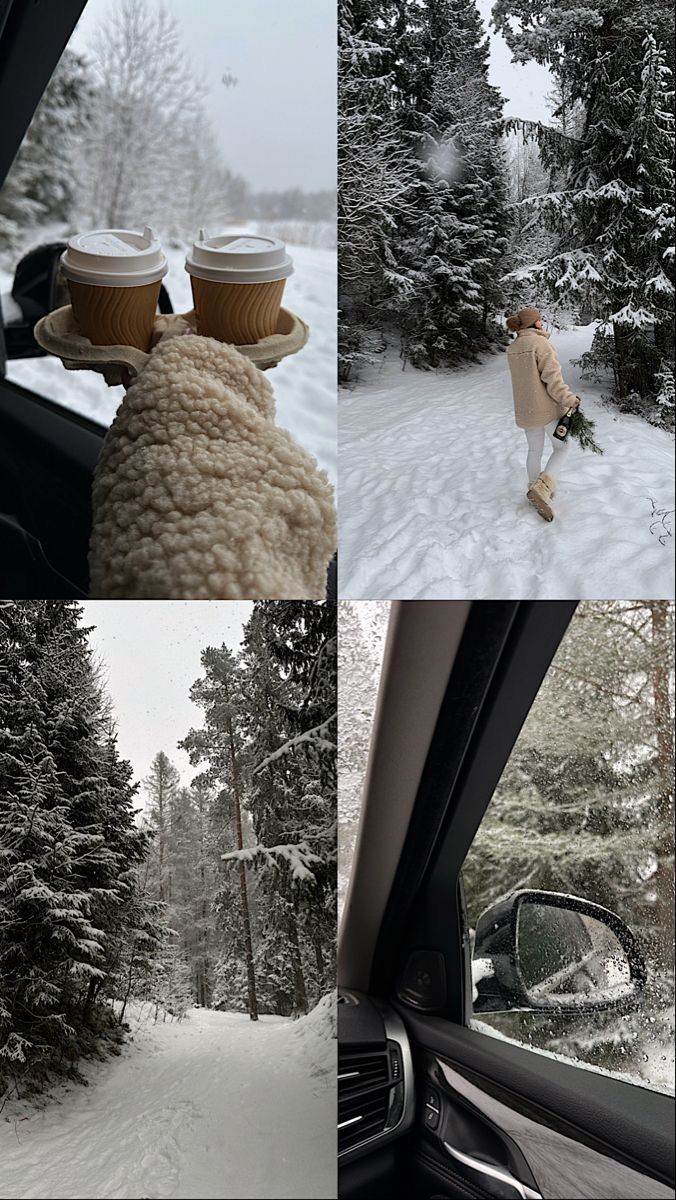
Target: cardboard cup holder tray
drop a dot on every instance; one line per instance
(58, 334)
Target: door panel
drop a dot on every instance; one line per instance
(47, 458)
(565, 1132)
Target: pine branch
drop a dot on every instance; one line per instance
(582, 428)
(313, 736)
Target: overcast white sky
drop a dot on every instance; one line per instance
(277, 127)
(151, 651)
(524, 86)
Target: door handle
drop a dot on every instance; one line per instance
(475, 1164)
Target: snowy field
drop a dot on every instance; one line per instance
(213, 1106)
(304, 385)
(432, 487)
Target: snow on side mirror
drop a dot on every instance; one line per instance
(38, 288)
(548, 952)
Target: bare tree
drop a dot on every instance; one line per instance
(149, 154)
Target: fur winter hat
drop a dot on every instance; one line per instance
(523, 319)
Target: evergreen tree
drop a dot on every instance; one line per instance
(42, 183)
(162, 787)
(424, 217)
(289, 660)
(458, 243)
(375, 176)
(218, 693)
(69, 846)
(585, 807)
(612, 207)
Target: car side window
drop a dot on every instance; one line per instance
(362, 629)
(134, 129)
(583, 817)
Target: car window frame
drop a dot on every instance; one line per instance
(503, 656)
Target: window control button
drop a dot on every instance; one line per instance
(431, 1098)
(431, 1117)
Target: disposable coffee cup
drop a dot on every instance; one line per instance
(114, 278)
(237, 285)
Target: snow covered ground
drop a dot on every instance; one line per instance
(657, 1059)
(213, 1106)
(432, 489)
(304, 385)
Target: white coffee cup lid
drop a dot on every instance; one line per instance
(114, 258)
(238, 258)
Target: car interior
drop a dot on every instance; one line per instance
(427, 1106)
(47, 453)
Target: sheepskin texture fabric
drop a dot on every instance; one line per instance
(197, 493)
(540, 393)
(541, 494)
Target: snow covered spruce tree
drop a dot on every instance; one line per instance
(179, 873)
(219, 745)
(611, 205)
(456, 244)
(431, 194)
(289, 663)
(375, 175)
(585, 806)
(74, 921)
(260, 890)
(42, 183)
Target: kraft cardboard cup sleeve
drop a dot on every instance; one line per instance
(114, 278)
(237, 285)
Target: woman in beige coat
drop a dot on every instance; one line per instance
(540, 398)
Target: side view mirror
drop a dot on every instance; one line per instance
(39, 287)
(548, 952)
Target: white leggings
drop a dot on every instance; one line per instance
(536, 444)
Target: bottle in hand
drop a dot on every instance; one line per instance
(563, 425)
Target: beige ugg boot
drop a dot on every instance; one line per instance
(541, 494)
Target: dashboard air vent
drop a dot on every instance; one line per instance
(370, 1092)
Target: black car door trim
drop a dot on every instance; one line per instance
(504, 653)
(591, 1108)
(32, 40)
(51, 426)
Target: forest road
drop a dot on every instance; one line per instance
(213, 1106)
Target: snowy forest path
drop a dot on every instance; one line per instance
(202, 1108)
(432, 485)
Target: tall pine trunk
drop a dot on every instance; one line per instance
(160, 807)
(299, 989)
(243, 891)
(204, 912)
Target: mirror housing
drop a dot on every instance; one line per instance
(587, 957)
(38, 288)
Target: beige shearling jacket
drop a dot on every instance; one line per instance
(198, 494)
(540, 394)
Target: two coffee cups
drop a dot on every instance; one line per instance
(114, 278)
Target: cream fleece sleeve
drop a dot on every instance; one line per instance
(198, 495)
(550, 374)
